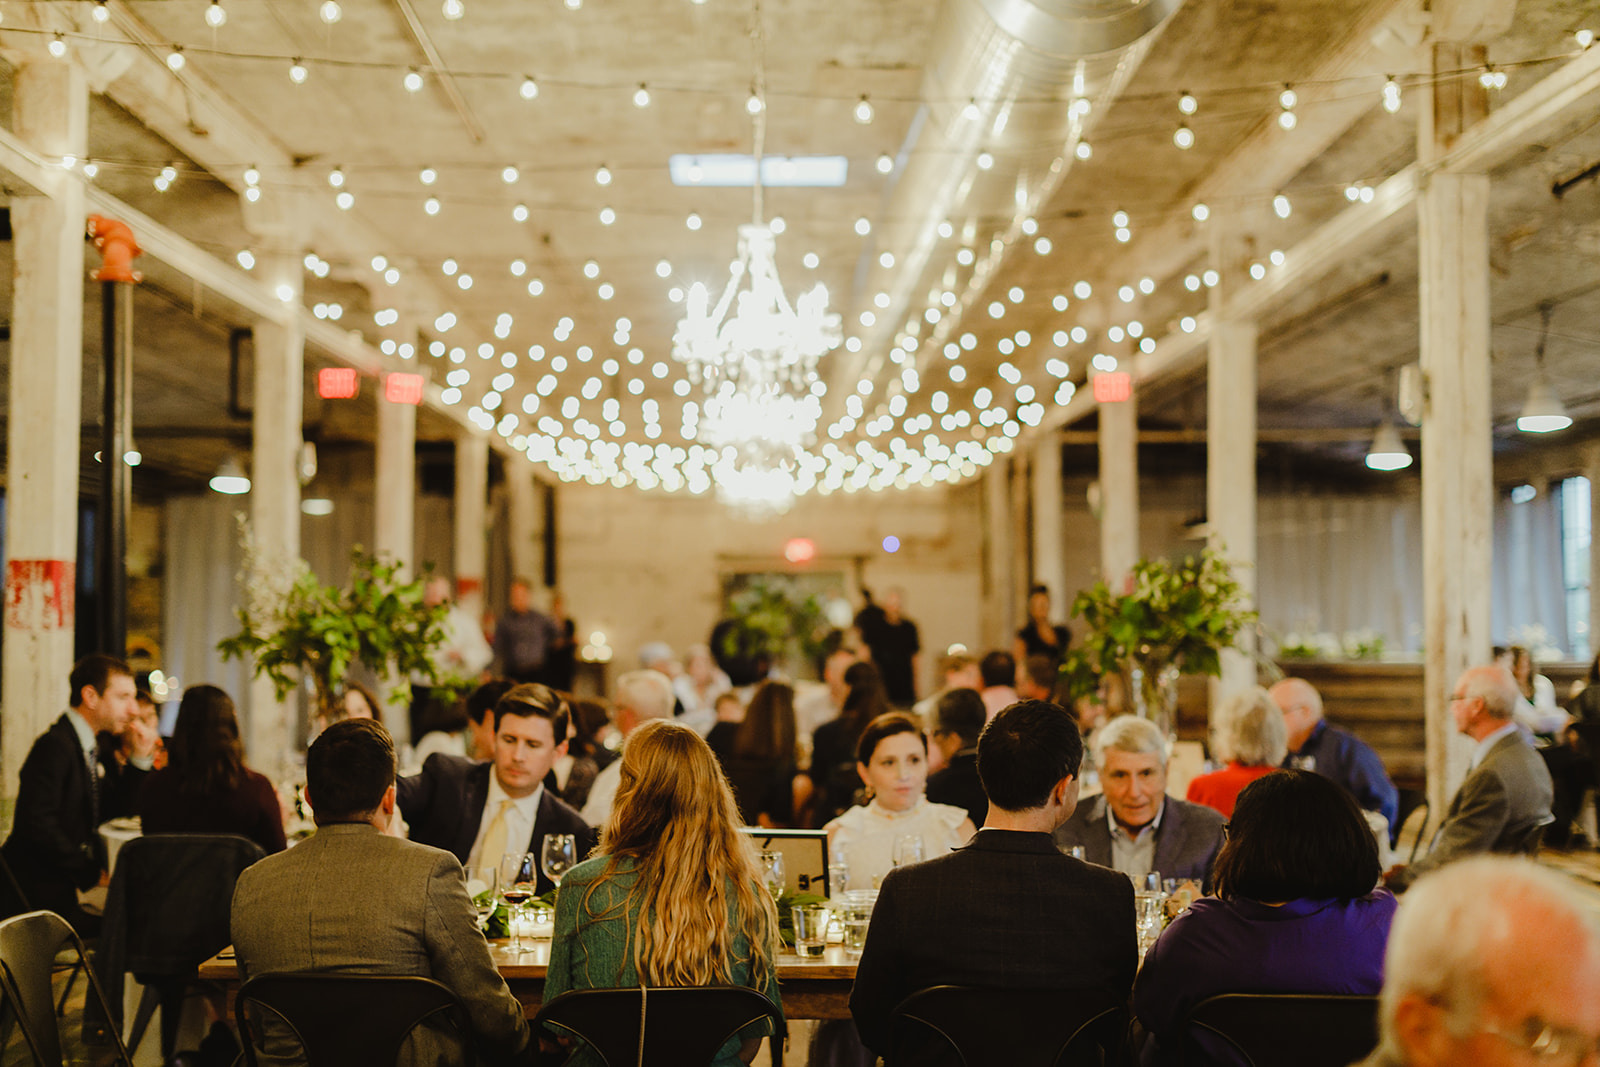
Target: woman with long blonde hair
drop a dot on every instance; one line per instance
(671, 897)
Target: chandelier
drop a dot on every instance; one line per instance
(755, 355)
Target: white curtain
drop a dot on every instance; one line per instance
(1339, 563)
(1529, 594)
(200, 593)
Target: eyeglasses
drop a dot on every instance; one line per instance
(1547, 1042)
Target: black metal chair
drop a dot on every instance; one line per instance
(1413, 828)
(657, 1026)
(1286, 1029)
(344, 1020)
(962, 1026)
(168, 911)
(29, 944)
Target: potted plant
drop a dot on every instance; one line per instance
(294, 626)
(770, 621)
(1175, 618)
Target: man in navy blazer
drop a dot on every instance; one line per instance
(54, 848)
(1134, 826)
(1009, 910)
(456, 803)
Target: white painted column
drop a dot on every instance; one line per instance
(1049, 559)
(1591, 470)
(46, 380)
(1119, 489)
(472, 493)
(997, 606)
(275, 486)
(1021, 539)
(1457, 468)
(1231, 403)
(395, 498)
(526, 525)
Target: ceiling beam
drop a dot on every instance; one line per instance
(1285, 436)
(441, 73)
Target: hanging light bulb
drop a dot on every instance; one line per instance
(603, 175)
(1084, 150)
(641, 96)
(1201, 212)
(607, 216)
(431, 205)
(1543, 412)
(1187, 104)
(453, 9)
(885, 163)
(509, 175)
(216, 18)
(58, 46)
(529, 89)
(336, 177)
(101, 12)
(345, 200)
(297, 72)
(1287, 101)
(252, 176)
(1585, 38)
(1183, 136)
(330, 11)
(428, 176)
(1391, 95)
(1281, 206)
(863, 110)
(412, 80)
(175, 58)
(693, 221)
(520, 213)
(753, 105)
(1388, 452)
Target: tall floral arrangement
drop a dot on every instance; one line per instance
(1175, 618)
(294, 626)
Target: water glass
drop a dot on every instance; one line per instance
(483, 886)
(770, 863)
(810, 929)
(558, 856)
(838, 877)
(907, 850)
(857, 916)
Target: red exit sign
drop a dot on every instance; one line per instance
(403, 388)
(338, 383)
(1113, 387)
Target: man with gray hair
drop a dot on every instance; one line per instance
(640, 696)
(1133, 826)
(1317, 745)
(1492, 961)
(1503, 804)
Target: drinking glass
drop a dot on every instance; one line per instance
(559, 855)
(483, 886)
(810, 929)
(857, 916)
(907, 850)
(772, 874)
(838, 877)
(1150, 908)
(517, 886)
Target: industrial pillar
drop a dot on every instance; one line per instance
(1119, 488)
(998, 562)
(1049, 564)
(522, 498)
(50, 114)
(472, 488)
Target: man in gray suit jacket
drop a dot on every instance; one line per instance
(1133, 826)
(1505, 799)
(353, 900)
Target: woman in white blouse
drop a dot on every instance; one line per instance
(892, 759)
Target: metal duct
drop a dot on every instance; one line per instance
(1023, 80)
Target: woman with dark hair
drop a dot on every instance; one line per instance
(1297, 910)
(833, 745)
(1040, 637)
(586, 756)
(205, 787)
(892, 762)
(671, 897)
(444, 729)
(757, 754)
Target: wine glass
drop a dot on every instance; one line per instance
(483, 886)
(771, 863)
(907, 850)
(558, 856)
(516, 889)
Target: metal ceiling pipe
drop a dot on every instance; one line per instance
(1021, 80)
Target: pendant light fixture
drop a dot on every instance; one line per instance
(1388, 452)
(230, 479)
(1543, 412)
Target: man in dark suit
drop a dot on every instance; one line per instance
(960, 715)
(482, 811)
(1505, 798)
(1134, 826)
(1009, 910)
(54, 848)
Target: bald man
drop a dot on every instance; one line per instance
(1493, 962)
(1505, 799)
(1317, 745)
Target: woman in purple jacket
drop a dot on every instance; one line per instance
(1297, 910)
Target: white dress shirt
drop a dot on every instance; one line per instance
(603, 794)
(1134, 854)
(519, 821)
(1489, 742)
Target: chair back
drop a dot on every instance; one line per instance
(1412, 832)
(336, 1020)
(1287, 1029)
(29, 944)
(657, 1026)
(13, 901)
(964, 1026)
(1532, 838)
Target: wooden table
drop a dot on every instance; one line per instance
(812, 988)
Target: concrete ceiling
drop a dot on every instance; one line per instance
(1328, 354)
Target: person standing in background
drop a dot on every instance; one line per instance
(561, 662)
(893, 641)
(523, 636)
(1039, 637)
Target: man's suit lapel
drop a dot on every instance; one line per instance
(474, 794)
(541, 823)
(1169, 838)
(78, 780)
(1099, 850)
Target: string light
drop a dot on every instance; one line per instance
(520, 213)
(1492, 78)
(1183, 136)
(246, 259)
(428, 176)
(529, 89)
(298, 72)
(336, 177)
(1391, 95)
(330, 11)
(431, 205)
(101, 13)
(412, 81)
(754, 104)
(345, 200)
(509, 175)
(985, 160)
(607, 216)
(175, 58)
(863, 111)
(863, 226)
(1287, 101)
(1585, 38)
(693, 221)
(1200, 212)
(1281, 206)
(641, 96)
(1187, 103)
(602, 176)
(216, 18)
(1083, 150)
(885, 163)
(453, 9)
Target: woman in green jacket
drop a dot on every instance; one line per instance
(671, 897)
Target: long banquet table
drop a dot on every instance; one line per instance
(812, 988)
